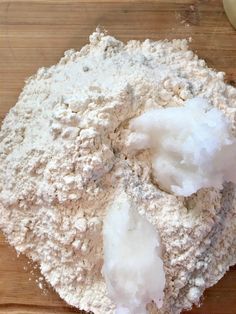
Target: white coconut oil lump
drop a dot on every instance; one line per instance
(133, 268)
(64, 157)
(192, 146)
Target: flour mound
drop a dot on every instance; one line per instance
(63, 154)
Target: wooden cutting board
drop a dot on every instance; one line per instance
(36, 33)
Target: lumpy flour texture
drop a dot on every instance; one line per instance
(64, 153)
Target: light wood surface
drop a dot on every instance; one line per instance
(36, 33)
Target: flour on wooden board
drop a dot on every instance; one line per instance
(63, 154)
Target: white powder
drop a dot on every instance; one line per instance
(63, 155)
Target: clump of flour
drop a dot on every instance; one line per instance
(192, 146)
(63, 155)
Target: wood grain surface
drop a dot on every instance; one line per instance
(36, 33)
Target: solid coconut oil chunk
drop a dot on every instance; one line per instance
(192, 146)
(133, 268)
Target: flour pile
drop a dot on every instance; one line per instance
(65, 155)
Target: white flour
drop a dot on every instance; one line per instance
(63, 154)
